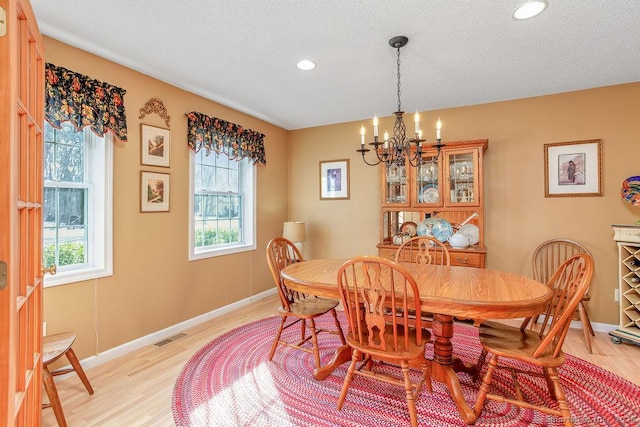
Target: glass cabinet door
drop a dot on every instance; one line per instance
(463, 178)
(427, 184)
(396, 185)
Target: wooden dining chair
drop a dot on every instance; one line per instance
(53, 348)
(375, 293)
(423, 250)
(541, 349)
(301, 307)
(426, 250)
(547, 257)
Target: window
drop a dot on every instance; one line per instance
(77, 236)
(222, 205)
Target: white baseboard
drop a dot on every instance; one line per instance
(154, 337)
(598, 327)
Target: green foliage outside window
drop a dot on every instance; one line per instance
(70, 253)
(213, 237)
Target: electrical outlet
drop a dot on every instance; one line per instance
(616, 295)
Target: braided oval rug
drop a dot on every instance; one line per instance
(231, 382)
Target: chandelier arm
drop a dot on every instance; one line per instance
(365, 160)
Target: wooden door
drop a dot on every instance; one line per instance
(21, 156)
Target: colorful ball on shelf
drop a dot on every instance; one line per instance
(631, 190)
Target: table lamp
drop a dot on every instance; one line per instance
(295, 232)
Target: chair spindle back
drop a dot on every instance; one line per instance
(377, 295)
(569, 283)
(423, 250)
(280, 253)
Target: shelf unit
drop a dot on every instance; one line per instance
(448, 185)
(628, 240)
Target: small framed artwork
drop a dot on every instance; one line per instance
(573, 169)
(334, 180)
(156, 145)
(154, 192)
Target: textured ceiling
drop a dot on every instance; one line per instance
(242, 53)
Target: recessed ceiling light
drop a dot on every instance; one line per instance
(530, 9)
(306, 65)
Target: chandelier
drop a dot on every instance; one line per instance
(397, 149)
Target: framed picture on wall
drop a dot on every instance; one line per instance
(573, 169)
(156, 145)
(154, 192)
(334, 179)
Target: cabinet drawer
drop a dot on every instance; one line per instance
(467, 259)
(387, 253)
(463, 259)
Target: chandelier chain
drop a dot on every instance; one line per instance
(398, 63)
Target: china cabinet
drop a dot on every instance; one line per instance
(447, 185)
(628, 240)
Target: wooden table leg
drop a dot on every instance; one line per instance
(342, 355)
(444, 365)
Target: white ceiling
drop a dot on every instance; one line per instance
(242, 53)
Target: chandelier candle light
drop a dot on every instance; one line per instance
(397, 149)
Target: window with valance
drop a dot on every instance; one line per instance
(84, 102)
(81, 115)
(221, 136)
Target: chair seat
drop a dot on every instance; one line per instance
(511, 342)
(311, 307)
(54, 346)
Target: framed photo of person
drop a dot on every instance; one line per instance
(334, 180)
(573, 169)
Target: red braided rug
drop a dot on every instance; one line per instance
(230, 382)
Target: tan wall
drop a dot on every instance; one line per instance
(154, 286)
(517, 215)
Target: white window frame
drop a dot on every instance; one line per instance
(100, 216)
(248, 210)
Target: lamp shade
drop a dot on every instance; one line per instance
(294, 231)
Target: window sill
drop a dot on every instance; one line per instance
(211, 253)
(68, 277)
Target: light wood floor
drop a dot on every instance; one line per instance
(135, 390)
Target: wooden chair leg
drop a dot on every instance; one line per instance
(277, 339)
(559, 395)
(587, 329)
(355, 357)
(303, 329)
(78, 368)
(479, 364)
(484, 387)
(411, 397)
(314, 342)
(338, 327)
(54, 399)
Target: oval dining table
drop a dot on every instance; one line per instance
(447, 292)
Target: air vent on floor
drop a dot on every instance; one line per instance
(169, 340)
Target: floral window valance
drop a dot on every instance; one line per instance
(224, 137)
(83, 101)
